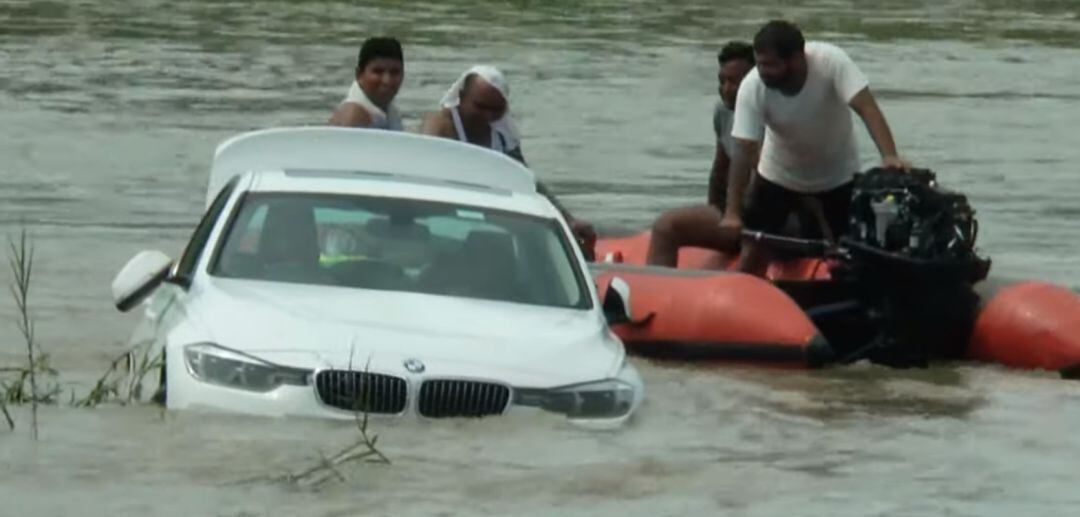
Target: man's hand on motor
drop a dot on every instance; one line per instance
(895, 162)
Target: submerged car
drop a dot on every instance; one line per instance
(338, 271)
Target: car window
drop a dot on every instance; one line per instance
(186, 266)
(402, 245)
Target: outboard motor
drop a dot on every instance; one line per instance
(907, 221)
(910, 250)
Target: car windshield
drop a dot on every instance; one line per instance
(401, 245)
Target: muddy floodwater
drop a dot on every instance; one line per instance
(109, 112)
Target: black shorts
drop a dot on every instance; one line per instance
(768, 206)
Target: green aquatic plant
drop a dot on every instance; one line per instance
(7, 416)
(364, 449)
(122, 381)
(24, 388)
(21, 387)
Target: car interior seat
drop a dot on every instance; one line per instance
(289, 245)
(491, 265)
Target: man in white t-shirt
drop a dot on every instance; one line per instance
(798, 101)
(696, 225)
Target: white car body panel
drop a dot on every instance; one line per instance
(317, 327)
(348, 149)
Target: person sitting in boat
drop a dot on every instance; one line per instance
(696, 225)
(369, 102)
(475, 110)
(797, 102)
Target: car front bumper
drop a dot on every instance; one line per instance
(418, 396)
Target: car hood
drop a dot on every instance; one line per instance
(329, 327)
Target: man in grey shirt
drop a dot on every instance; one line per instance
(696, 225)
(723, 120)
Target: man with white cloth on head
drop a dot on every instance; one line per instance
(476, 110)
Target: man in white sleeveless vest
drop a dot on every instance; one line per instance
(369, 103)
(794, 109)
(475, 110)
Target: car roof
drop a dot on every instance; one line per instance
(336, 157)
(363, 183)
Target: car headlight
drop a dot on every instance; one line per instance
(217, 365)
(609, 398)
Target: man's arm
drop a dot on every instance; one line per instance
(748, 130)
(350, 114)
(516, 154)
(435, 124)
(718, 178)
(738, 177)
(866, 106)
(584, 231)
(543, 190)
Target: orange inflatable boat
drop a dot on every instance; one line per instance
(880, 293)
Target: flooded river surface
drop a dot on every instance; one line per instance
(109, 113)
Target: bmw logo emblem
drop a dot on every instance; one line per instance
(414, 365)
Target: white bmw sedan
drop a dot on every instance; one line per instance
(345, 270)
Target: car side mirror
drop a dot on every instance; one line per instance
(617, 302)
(139, 277)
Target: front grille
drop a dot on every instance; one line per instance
(360, 391)
(445, 399)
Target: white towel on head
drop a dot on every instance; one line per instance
(505, 126)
